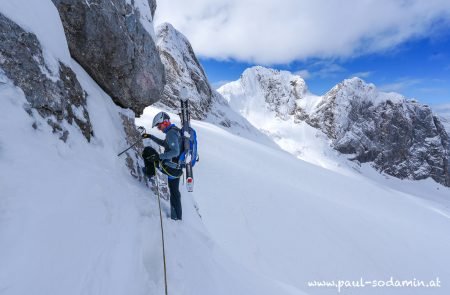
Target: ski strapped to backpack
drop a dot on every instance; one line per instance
(189, 155)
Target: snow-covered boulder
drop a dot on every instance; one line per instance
(113, 41)
(50, 86)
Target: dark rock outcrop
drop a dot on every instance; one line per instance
(133, 158)
(55, 96)
(400, 137)
(109, 41)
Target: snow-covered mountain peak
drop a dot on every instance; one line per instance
(260, 90)
(167, 34)
(357, 90)
(270, 81)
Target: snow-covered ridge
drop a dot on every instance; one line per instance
(370, 125)
(356, 88)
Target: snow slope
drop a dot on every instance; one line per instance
(294, 222)
(73, 220)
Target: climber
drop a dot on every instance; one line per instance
(167, 161)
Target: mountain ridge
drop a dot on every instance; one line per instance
(400, 137)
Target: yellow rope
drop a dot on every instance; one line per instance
(165, 171)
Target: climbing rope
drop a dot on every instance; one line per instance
(162, 232)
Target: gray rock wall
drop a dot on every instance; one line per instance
(183, 70)
(401, 138)
(109, 42)
(56, 98)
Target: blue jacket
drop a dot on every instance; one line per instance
(172, 144)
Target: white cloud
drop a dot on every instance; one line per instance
(328, 70)
(400, 85)
(305, 74)
(216, 85)
(321, 69)
(443, 108)
(269, 31)
(361, 74)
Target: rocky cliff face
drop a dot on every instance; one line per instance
(112, 40)
(400, 137)
(54, 93)
(183, 70)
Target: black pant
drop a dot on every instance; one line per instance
(175, 199)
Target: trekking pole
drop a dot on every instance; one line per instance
(141, 131)
(162, 232)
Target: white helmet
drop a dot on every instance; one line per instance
(159, 118)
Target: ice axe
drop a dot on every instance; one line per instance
(141, 131)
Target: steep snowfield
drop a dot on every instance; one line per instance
(295, 222)
(73, 220)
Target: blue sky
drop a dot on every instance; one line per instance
(401, 46)
(417, 69)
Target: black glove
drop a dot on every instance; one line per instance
(153, 158)
(145, 135)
